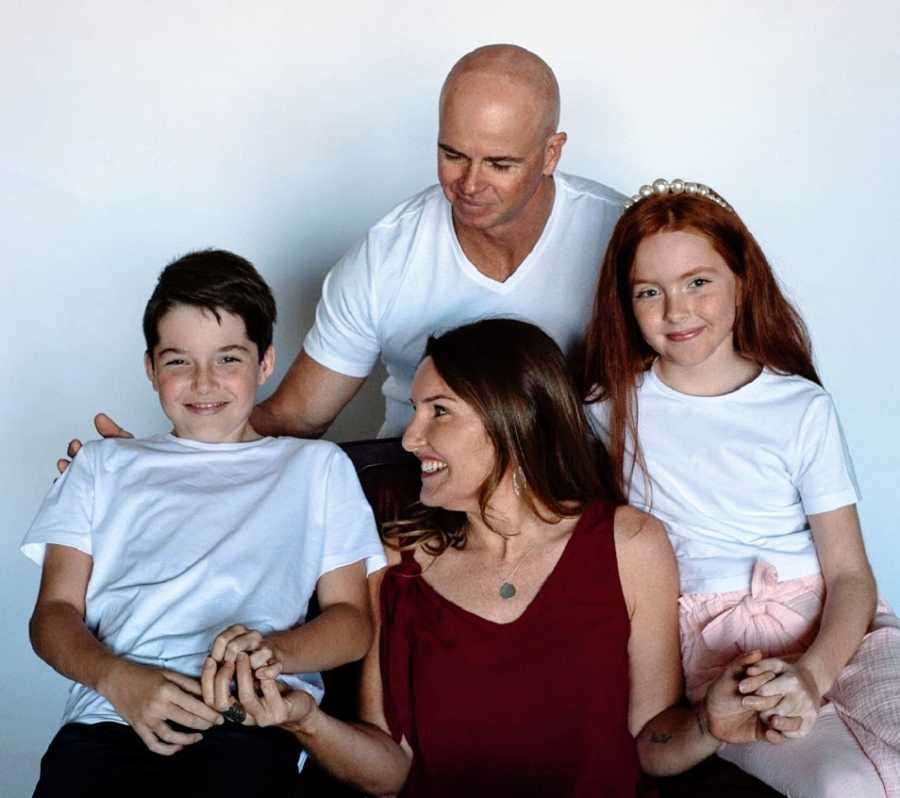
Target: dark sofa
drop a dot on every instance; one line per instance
(390, 479)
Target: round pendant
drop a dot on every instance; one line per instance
(507, 590)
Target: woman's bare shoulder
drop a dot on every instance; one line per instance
(641, 539)
(647, 567)
(632, 524)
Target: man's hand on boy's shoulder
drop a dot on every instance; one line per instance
(107, 429)
(147, 698)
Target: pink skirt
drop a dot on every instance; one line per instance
(781, 619)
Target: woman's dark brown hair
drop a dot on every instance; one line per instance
(767, 328)
(516, 378)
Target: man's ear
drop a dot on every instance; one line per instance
(553, 152)
(266, 365)
(151, 371)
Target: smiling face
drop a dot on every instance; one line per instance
(684, 299)
(449, 438)
(206, 372)
(494, 151)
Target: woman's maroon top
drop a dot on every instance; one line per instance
(536, 707)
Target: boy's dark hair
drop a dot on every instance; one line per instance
(216, 280)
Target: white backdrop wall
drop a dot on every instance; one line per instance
(134, 132)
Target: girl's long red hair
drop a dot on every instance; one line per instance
(767, 328)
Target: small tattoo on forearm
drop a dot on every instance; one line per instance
(660, 737)
(700, 724)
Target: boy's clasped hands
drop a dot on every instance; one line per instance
(169, 710)
(244, 657)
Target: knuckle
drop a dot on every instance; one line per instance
(233, 648)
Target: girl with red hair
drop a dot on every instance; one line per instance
(703, 387)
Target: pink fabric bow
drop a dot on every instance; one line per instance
(758, 620)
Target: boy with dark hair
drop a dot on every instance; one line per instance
(167, 557)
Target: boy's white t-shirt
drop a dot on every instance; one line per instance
(734, 477)
(409, 278)
(188, 538)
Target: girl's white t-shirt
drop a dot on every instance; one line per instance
(734, 477)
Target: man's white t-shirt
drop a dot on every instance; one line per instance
(188, 538)
(734, 477)
(409, 278)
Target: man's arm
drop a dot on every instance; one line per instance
(145, 697)
(306, 402)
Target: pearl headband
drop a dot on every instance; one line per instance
(678, 186)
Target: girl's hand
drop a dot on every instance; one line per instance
(268, 706)
(800, 698)
(731, 717)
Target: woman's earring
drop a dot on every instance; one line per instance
(518, 480)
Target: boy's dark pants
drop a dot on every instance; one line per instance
(110, 759)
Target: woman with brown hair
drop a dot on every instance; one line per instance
(528, 629)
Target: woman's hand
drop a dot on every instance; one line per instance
(734, 717)
(795, 688)
(219, 667)
(267, 705)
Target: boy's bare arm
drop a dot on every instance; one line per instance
(341, 633)
(144, 697)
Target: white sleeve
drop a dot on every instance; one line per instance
(344, 337)
(350, 533)
(66, 514)
(824, 477)
(598, 420)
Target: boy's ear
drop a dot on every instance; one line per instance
(266, 365)
(151, 372)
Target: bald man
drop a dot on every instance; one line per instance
(503, 234)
